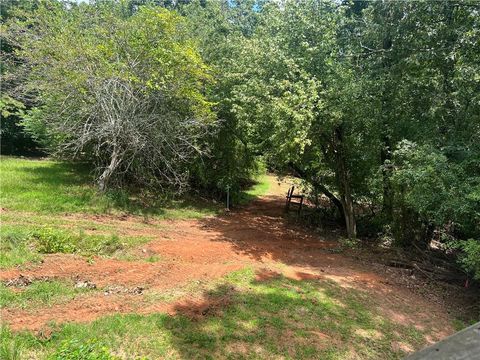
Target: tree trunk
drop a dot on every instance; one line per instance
(104, 179)
(386, 150)
(386, 159)
(332, 198)
(349, 214)
(344, 185)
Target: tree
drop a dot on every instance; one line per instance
(125, 92)
(15, 141)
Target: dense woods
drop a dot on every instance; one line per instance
(375, 105)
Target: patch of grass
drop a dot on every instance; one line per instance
(9, 345)
(39, 293)
(279, 318)
(48, 187)
(56, 187)
(21, 244)
(259, 188)
(14, 249)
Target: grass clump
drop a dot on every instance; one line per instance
(24, 244)
(51, 241)
(39, 293)
(15, 248)
(91, 350)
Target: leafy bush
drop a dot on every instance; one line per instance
(434, 190)
(470, 258)
(158, 105)
(49, 241)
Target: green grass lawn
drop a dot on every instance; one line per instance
(56, 187)
(275, 319)
(260, 187)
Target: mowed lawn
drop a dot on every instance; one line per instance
(52, 207)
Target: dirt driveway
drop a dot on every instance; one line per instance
(200, 251)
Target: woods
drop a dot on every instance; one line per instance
(374, 104)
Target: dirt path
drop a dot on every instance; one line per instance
(203, 250)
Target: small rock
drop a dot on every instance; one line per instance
(85, 285)
(137, 290)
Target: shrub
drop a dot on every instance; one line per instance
(470, 258)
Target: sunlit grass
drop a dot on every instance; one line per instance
(39, 293)
(22, 244)
(37, 198)
(260, 187)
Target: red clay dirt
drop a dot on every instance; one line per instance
(202, 250)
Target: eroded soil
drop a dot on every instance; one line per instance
(198, 251)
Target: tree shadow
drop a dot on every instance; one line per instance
(58, 174)
(262, 232)
(246, 316)
(73, 183)
(280, 317)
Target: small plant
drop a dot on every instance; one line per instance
(9, 347)
(9, 351)
(346, 243)
(153, 258)
(89, 350)
(50, 241)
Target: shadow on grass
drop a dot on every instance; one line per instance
(241, 318)
(53, 186)
(287, 318)
(58, 174)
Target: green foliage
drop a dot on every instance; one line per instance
(348, 97)
(470, 258)
(51, 241)
(435, 188)
(132, 86)
(15, 141)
